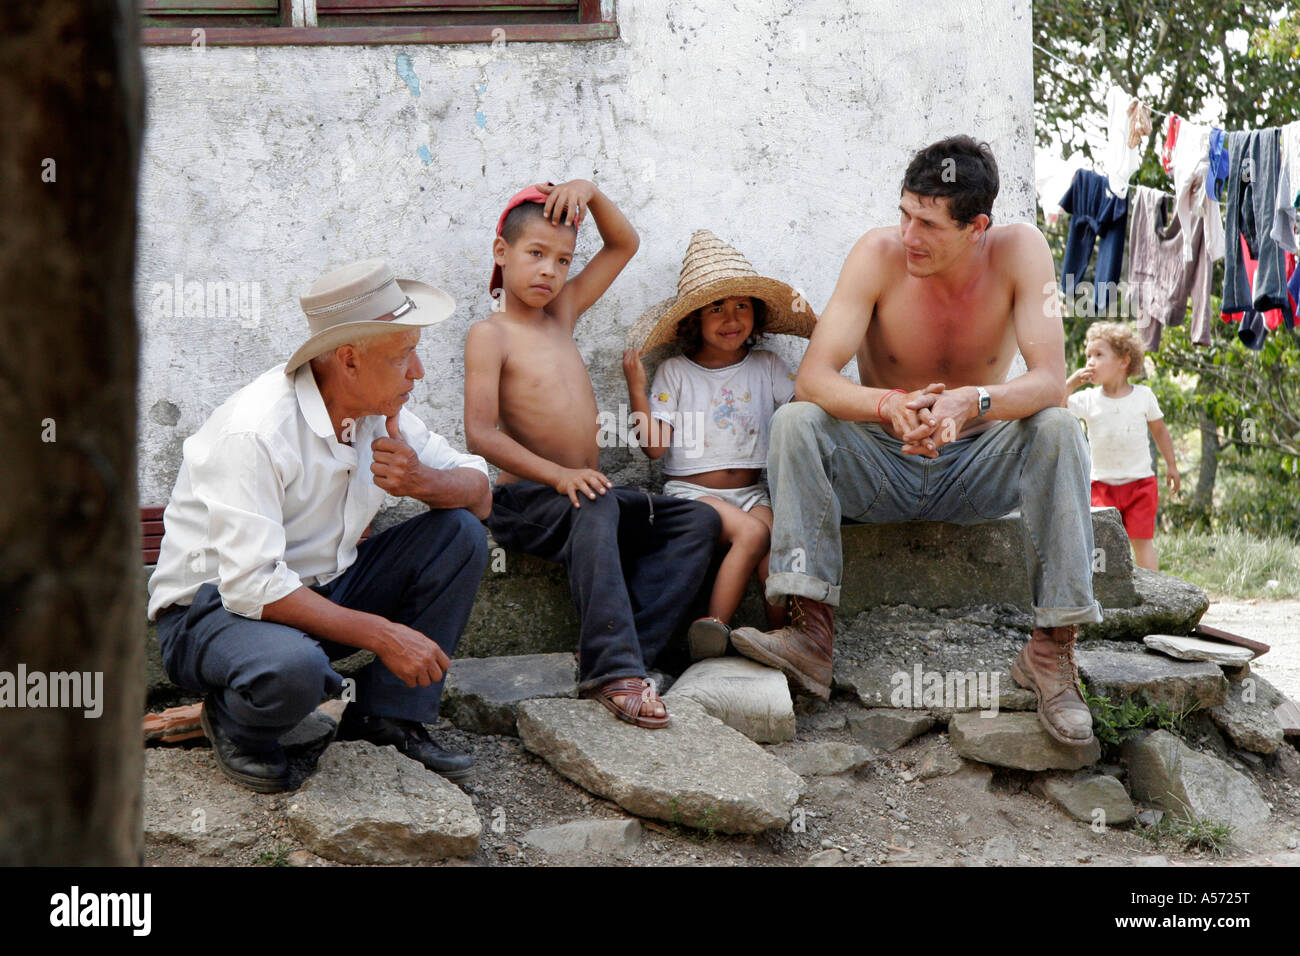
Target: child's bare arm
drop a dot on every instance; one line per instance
(1166, 445)
(621, 243)
(1080, 378)
(484, 357)
(656, 436)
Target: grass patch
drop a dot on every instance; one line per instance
(277, 857)
(1233, 563)
(1188, 835)
(1113, 723)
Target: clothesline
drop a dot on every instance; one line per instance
(1084, 69)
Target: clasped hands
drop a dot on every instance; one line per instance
(927, 419)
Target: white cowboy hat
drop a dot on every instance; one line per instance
(362, 300)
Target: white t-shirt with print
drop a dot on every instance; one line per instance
(1117, 432)
(720, 416)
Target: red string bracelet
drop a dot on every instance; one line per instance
(881, 403)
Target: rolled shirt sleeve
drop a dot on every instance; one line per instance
(239, 483)
(432, 449)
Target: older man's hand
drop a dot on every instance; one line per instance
(415, 659)
(396, 467)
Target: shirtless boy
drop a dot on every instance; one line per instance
(934, 311)
(634, 559)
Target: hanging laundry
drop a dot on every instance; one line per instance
(1288, 188)
(1255, 325)
(1218, 174)
(1122, 160)
(1139, 123)
(1172, 122)
(1098, 216)
(1190, 163)
(1251, 198)
(1160, 277)
(1052, 177)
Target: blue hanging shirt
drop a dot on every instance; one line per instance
(1098, 216)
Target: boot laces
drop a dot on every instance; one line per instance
(796, 611)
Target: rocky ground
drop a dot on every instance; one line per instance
(861, 803)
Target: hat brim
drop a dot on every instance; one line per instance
(787, 311)
(432, 306)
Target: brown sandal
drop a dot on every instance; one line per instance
(635, 692)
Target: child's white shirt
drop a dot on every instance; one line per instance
(1117, 432)
(720, 416)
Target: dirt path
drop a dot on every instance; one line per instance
(1276, 623)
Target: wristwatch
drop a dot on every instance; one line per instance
(985, 401)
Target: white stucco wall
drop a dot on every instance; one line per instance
(782, 126)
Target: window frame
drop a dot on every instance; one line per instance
(596, 22)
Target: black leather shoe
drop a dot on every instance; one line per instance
(261, 771)
(411, 738)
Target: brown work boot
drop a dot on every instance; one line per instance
(1046, 666)
(801, 649)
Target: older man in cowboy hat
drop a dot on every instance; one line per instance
(261, 578)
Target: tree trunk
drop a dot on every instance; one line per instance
(1203, 497)
(71, 96)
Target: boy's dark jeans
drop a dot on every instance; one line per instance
(633, 579)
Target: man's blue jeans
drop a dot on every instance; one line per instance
(822, 469)
(266, 677)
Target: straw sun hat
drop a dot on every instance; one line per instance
(713, 270)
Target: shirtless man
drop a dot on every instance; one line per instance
(934, 312)
(530, 410)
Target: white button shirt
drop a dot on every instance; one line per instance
(268, 500)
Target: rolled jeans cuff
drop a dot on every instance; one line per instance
(787, 583)
(1065, 616)
(596, 683)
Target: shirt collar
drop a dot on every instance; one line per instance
(311, 403)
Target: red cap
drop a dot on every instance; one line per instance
(528, 194)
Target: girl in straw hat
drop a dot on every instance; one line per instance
(708, 410)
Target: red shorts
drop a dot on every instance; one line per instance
(1136, 501)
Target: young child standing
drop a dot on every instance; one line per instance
(634, 560)
(1118, 416)
(709, 408)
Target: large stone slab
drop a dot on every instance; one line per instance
(1167, 605)
(1165, 772)
(887, 728)
(482, 694)
(931, 564)
(1199, 649)
(1160, 680)
(1016, 740)
(743, 694)
(697, 772)
(371, 805)
(932, 662)
(189, 803)
(822, 758)
(1247, 718)
(611, 837)
(1092, 798)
